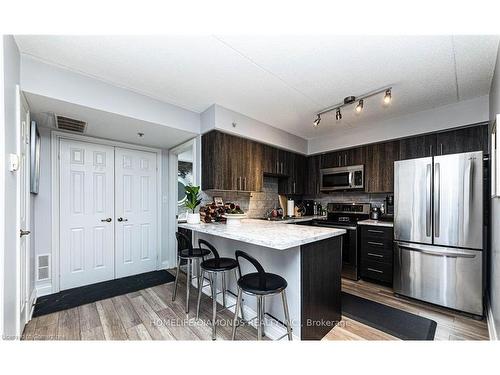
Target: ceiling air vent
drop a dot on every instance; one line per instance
(70, 124)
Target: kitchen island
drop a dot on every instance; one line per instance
(309, 258)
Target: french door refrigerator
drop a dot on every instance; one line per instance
(438, 230)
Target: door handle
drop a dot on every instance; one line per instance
(375, 231)
(120, 219)
(375, 255)
(374, 270)
(375, 243)
(438, 253)
(23, 232)
(108, 220)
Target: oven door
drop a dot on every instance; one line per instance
(335, 179)
(349, 249)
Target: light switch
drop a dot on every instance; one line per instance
(13, 162)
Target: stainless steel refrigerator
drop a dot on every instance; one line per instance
(438, 230)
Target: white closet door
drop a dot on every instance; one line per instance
(136, 212)
(86, 213)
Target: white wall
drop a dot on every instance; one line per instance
(54, 82)
(218, 117)
(494, 292)
(462, 113)
(11, 77)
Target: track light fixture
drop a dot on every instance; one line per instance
(317, 121)
(338, 115)
(349, 100)
(359, 107)
(387, 97)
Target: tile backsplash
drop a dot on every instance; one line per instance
(257, 204)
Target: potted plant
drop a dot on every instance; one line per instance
(192, 201)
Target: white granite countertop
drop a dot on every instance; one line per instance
(379, 223)
(273, 234)
(298, 219)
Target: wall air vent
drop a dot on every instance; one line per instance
(43, 267)
(70, 124)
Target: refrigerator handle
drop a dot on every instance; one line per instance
(437, 196)
(468, 192)
(428, 187)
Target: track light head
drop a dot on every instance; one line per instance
(359, 107)
(387, 97)
(317, 121)
(338, 115)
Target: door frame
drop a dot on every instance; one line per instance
(21, 103)
(195, 144)
(56, 137)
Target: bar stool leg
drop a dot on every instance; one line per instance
(238, 306)
(188, 283)
(198, 271)
(213, 281)
(259, 318)
(200, 290)
(287, 316)
(176, 278)
(224, 289)
(241, 304)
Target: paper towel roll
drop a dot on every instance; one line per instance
(290, 208)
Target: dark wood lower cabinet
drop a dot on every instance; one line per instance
(377, 253)
(320, 274)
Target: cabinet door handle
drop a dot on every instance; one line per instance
(107, 220)
(376, 243)
(441, 145)
(282, 169)
(23, 232)
(294, 187)
(245, 186)
(340, 160)
(374, 270)
(375, 231)
(345, 159)
(375, 255)
(120, 219)
(430, 150)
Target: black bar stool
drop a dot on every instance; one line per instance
(186, 252)
(213, 267)
(260, 284)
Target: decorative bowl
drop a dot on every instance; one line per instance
(234, 219)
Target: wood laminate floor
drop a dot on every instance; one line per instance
(450, 325)
(150, 314)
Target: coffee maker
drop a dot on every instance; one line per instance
(389, 207)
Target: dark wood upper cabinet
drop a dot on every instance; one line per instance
(231, 163)
(417, 147)
(312, 183)
(474, 138)
(344, 158)
(379, 166)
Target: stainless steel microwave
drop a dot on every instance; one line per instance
(342, 178)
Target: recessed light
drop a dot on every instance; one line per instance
(140, 134)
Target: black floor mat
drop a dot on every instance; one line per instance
(395, 322)
(70, 298)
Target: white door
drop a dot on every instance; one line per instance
(23, 215)
(86, 213)
(136, 212)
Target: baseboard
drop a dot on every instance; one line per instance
(272, 331)
(43, 290)
(490, 321)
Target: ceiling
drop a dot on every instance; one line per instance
(283, 80)
(106, 125)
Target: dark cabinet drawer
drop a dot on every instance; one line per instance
(376, 232)
(376, 271)
(377, 251)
